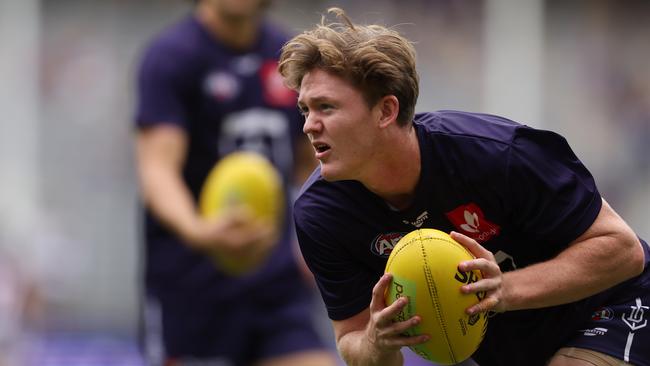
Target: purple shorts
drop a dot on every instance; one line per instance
(621, 331)
(193, 331)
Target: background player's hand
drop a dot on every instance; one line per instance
(382, 332)
(235, 234)
(492, 281)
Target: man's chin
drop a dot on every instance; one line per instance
(329, 174)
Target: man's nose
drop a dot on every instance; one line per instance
(311, 125)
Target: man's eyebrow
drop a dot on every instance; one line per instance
(318, 99)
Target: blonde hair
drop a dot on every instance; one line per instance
(376, 60)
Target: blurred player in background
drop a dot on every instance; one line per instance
(567, 279)
(207, 86)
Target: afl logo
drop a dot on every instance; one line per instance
(602, 314)
(383, 244)
(222, 86)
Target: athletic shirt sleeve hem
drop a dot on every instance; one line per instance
(351, 309)
(586, 220)
(162, 82)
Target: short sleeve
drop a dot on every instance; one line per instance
(161, 90)
(344, 283)
(553, 195)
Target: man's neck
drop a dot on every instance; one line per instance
(398, 172)
(239, 33)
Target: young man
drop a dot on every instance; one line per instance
(567, 279)
(208, 86)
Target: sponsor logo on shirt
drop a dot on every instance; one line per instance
(275, 93)
(418, 220)
(383, 244)
(602, 314)
(594, 332)
(469, 220)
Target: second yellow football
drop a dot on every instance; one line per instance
(244, 179)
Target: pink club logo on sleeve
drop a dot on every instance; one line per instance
(276, 94)
(469, 220)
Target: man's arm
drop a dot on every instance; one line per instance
(371, 337)
(606, 254)
(161, 152)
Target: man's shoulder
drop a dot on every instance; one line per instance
(179, 39)
(476, 144)
(468, 125)
(317, 188)
(318, 196)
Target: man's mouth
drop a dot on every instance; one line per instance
(321, 148)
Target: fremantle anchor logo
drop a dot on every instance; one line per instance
(633, 320)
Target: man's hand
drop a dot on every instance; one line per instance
(372, 337)
(492, 281)
(236, 234)
(382, 332)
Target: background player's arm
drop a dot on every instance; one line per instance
(371, 337)
(161, 152)
(606, 254)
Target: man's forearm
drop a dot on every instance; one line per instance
(169, 199)
(582, 270)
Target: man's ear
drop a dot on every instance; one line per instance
(388, 107)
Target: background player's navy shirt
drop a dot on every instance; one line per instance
(521, 192)
(225, 100)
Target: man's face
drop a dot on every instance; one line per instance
(339, 124)
(238, 9)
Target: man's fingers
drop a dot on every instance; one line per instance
(389, 313)
(399, 328)
(484, 285)
(488, 268)
(487, 304)
(390, 332)
(378, 302)
(393, 333)
(472, 245)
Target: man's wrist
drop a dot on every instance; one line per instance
(368, 354)
(190, 231)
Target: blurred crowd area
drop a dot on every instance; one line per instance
(69, 250)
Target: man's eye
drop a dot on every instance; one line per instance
(303, 110)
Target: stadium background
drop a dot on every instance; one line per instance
(68, 190)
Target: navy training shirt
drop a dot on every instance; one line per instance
(226, 100)
(520, 192)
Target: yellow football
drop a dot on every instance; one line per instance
(424, 265)
(244, 179)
